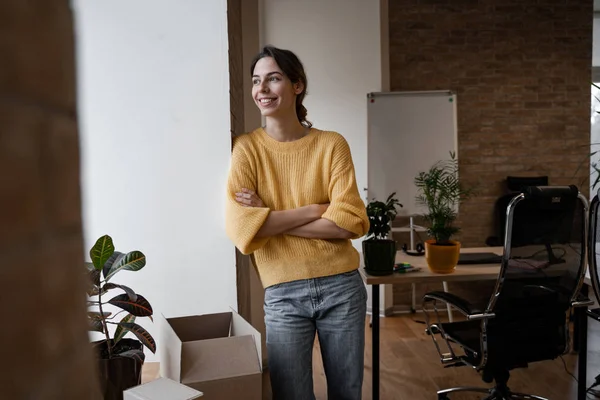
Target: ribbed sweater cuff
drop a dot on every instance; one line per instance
(344, 220)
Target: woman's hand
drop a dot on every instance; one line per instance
(248, 198)
(321, 208)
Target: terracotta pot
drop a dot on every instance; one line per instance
(442, 259)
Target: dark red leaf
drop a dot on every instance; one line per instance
(130, 293)
(141, 334)
(140, 308)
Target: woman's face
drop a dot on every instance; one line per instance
(272, 91)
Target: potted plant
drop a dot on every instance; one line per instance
(120, 359)
(380, 252)
(440, 192)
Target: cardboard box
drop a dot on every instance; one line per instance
(217, 354)
(161, 389)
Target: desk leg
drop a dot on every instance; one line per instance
(581, 319)
(413, 307)
(375, 338)
(448, 307)
(576, 323)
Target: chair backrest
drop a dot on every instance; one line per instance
(517, 183)
(542, 270)
(514, 185)
(594, 243)
(544, 246)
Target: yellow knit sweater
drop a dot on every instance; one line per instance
(315, 169)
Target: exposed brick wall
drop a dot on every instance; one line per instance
(46, 350)
(521, 71)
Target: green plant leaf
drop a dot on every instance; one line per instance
(141, 334)
(390, 197)
(120, 332)
(380, 217)
(135, 354)
(440, 192)
(132, 261)
(102, 251)
(130, 293)
(140, 308)
(115, 257)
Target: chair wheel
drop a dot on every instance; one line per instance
(433, 331)
(443, 397)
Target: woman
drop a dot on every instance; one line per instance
(293, 203)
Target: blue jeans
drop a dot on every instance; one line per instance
(334, 307)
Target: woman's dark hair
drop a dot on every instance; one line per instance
(292, 68)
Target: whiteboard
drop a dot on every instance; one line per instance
(408, 132)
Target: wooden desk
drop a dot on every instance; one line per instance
(470, 272)
(473, 272)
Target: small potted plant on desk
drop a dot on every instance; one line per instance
(379, 252)
(440, 191)
(120, 359)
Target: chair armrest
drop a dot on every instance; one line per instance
(458, 302)
(594, 313)
(582, 301)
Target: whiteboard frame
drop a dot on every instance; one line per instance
(424, 93)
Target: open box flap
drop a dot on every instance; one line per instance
(201, 327)
(220, 358)
(161, 389)
(240, 327)
(170, 353)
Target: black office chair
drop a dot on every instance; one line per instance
(526, 317)
(594, 246)
(513, 186)
(594, 261)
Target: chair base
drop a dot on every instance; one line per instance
(495, 393)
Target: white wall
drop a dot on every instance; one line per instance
(339, 43)
(596, 40)
(153, 85)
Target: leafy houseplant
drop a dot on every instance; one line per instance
(440, 192)
(379, 251)
(120, 359)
